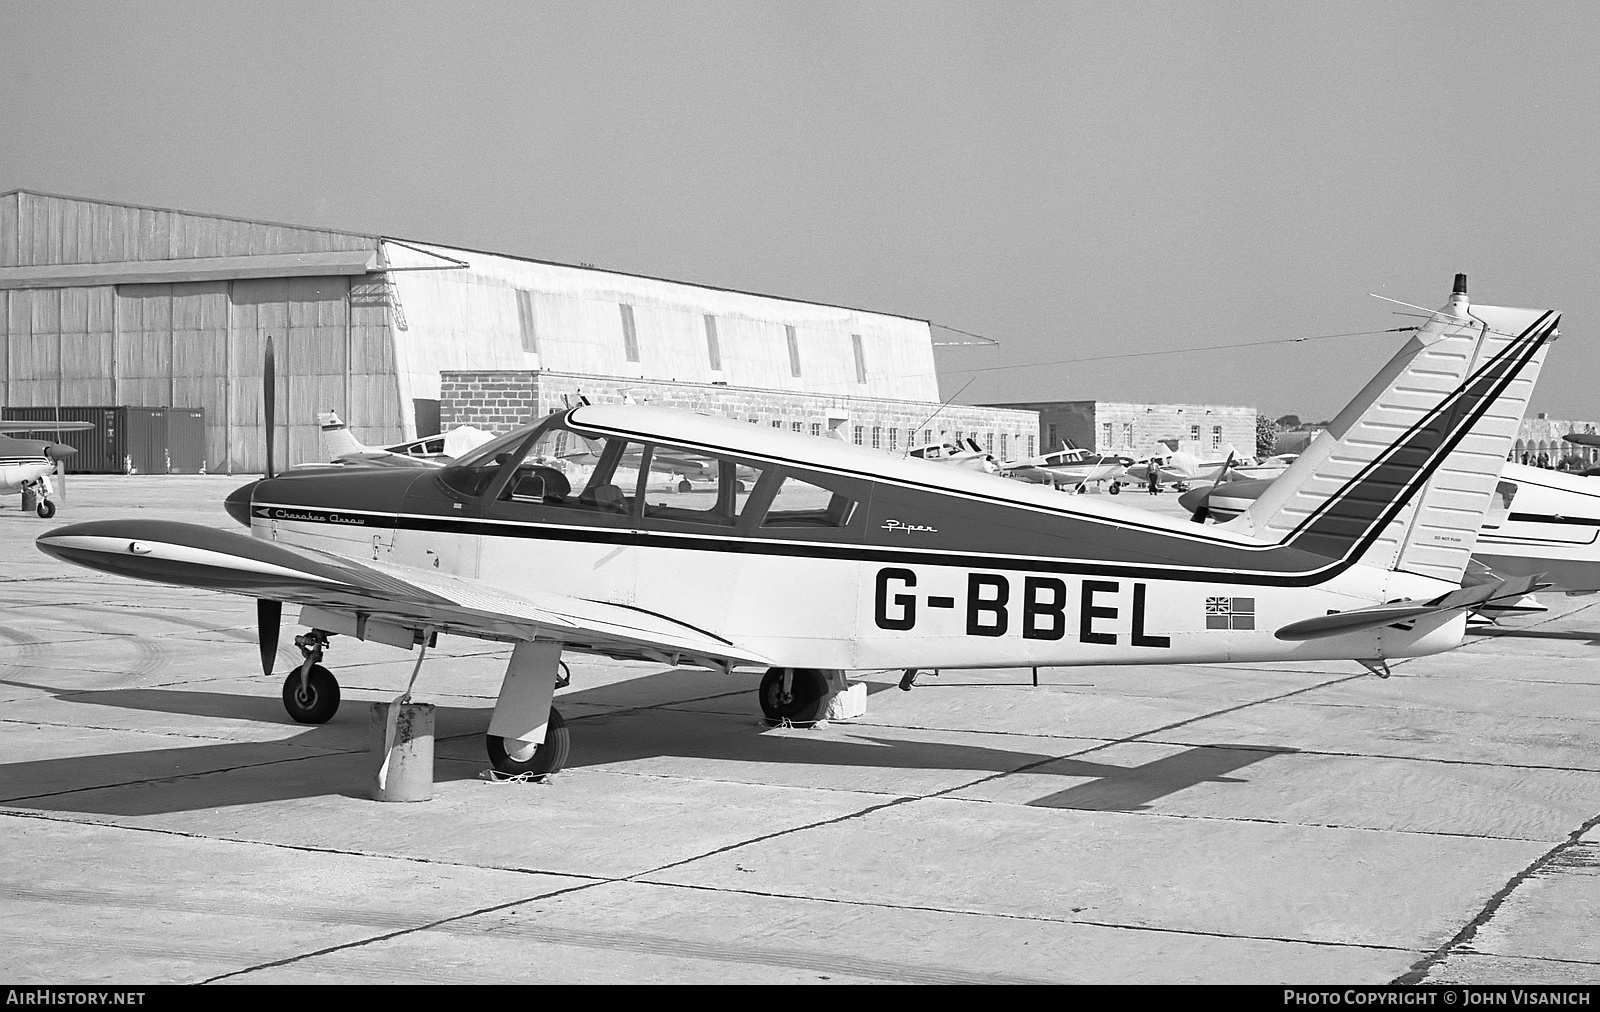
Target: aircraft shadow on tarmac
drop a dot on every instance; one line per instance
(1593, 638)
(331, 759)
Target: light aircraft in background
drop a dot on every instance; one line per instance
(841, 558)
(1071, 467)
(1540, 522)
(27, 465)
(963, 452)
(342, 447)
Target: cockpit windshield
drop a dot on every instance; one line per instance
(496, 446)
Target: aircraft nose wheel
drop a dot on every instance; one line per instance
(798, 695)
(537, 760)
(46, 509)
(317, 701)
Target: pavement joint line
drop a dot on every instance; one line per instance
(291, 742)
(1005, 915)
(180, 776)
(301, 848)
(1420, 969)
(1287, 751)
(1470, 951)
(386, 936)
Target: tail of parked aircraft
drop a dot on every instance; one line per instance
(337, 439)
(1403, 477)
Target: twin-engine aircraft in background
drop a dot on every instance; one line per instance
(27, 465)
(837, 557)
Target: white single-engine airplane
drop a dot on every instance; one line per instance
(343, 447)
(27, 465)
(842, 558)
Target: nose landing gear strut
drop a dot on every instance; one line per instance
(311, 693)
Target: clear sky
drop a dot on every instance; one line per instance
(1071, 179)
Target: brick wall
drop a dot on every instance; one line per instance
(501, 400)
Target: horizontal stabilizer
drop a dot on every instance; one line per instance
(1480, 596)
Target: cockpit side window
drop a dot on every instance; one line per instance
(803, 503)
(687, 486)
(587, 475)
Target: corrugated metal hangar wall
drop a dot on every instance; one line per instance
(110, 305)
(106, 304)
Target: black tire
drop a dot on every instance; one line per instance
(684, 486)
(808, 695)
(46, 509)
(321, 699)
(1116, 489)
(547, 758)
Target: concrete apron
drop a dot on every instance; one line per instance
(402, 751)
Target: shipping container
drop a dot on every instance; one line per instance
(127, 440)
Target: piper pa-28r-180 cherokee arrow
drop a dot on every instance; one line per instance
(838, 558)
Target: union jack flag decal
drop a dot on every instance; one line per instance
(1230, 613)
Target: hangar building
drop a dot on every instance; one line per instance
(110, 304)
(1135, 428)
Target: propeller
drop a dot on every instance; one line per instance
(269, 394)
(269, 614)
(59, 452)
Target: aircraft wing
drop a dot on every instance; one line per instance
(44, 425)
(395, 596)
(386, 458)
(1473, 597)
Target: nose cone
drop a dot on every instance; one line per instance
(59, 451)
(238, 502)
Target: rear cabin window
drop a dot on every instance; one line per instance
(799, 503)
(697, 489)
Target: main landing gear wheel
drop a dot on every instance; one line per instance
(684, 486)
(546, 758)
(317, 702)
(46, 509)
(1116, 489)
(804, 700)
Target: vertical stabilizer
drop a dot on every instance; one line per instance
(1403, 477)
(337, 439)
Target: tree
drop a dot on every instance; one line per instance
(1267, 434)
(1288, 422)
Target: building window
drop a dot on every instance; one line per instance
(1105, 436)
(1127, 435)
(777, 423)
(713, 349)
(630, 338)
(988, 442)
(927, 436)
(1003, 455)
(816, 428)
(859, 431)
(894, 438)
(1194, 433)
(1216, 437)
(755, 421)
(861, 358)
(794, 427)
(794, 351)
(877, 437)
(1052, 439)
(1030, 446)
(530, 336)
